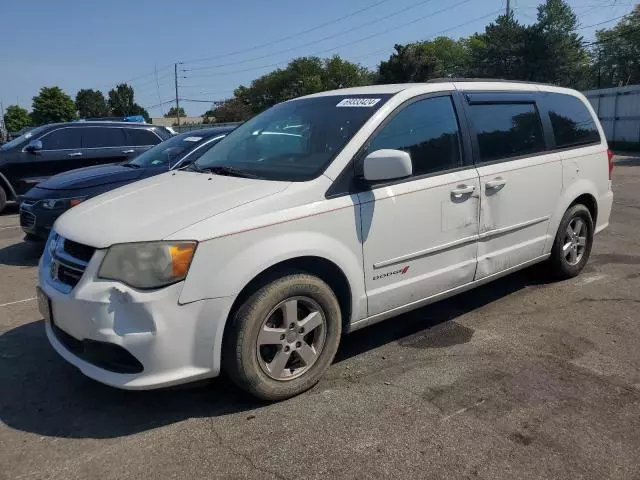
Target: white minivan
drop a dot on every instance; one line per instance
(322, 215)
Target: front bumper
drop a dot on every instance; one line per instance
(37, 221)
(174, 343)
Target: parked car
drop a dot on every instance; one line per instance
(44, 203)
(45, 151)
(320, 216)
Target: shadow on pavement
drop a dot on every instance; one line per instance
(23, 254)
(44, 395)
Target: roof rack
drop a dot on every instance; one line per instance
(470, 80)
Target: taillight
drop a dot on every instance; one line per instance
(610, 155)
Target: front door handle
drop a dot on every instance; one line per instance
(462, 190)
(126, 152)
(75, 154)
(495, 184)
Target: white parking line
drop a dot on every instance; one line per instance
(17, 301)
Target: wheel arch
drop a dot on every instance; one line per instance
(583, 192)
(321, 267)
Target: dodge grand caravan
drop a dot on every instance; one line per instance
(322, 215)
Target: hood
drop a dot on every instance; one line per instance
(154, 208)
(88, 177)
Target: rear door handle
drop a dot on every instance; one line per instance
(462, 190)
(75, 154)
(128, 151)
(495, 184)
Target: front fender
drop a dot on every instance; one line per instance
(223, 266)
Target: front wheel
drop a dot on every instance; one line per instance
(573, 242)
(283, 337)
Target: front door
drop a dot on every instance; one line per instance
(520, 183)
(61, 151)
(420, 234)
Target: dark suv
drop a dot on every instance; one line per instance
(45, 151)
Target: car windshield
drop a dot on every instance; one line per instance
(170, 151)
(25, 136)
(292, 141)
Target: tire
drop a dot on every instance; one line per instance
(3, 199)
(568, 262)
(277, 369)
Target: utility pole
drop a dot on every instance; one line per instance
(175, 76)
(508, 7)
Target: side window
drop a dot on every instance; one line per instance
(100, 137)
(507, 130)
(428, 131)
(140, 137)
(62, 139)
(572, 123)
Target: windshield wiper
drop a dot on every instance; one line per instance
(226, 170)
(130, 165)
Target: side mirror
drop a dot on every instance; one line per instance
(386, 164)
(33, 146)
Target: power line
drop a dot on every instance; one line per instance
(289, 37)
(603, 22)
(328, 37)
(331, 49)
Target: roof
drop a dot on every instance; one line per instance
(470, 83)
(206, 132)
(101, 124)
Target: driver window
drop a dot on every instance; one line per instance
(428, 131)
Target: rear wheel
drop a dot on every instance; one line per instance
(283, 337)
(573, 242)
(3, 199)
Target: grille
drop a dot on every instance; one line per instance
(78, 250)
(69, 276)
(27, 219)
(69, 261)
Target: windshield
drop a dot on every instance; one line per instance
(293, 141)
(25, 136)
(172, 150)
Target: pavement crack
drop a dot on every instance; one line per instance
(244, 456)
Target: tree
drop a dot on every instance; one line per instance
(52, 105)
(302, 76)
(121, 102)
(617, 55)
(554, 50)
(421, 61)
(91, 103)
(16, 118)
(232, 110)
(500, 51)
(172, 113)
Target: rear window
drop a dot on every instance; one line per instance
(571, 121)
(141, 137)
(100, 137)
(507, 130)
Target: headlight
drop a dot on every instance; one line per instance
(148, 265)
(61, 203)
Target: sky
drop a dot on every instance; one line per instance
(78, 44)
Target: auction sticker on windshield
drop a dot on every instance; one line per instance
(193, 139)
(358, 102)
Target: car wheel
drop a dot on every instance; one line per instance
(3, 199)
(573, 242)
(283, 337)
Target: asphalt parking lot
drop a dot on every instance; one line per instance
(518, 379)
